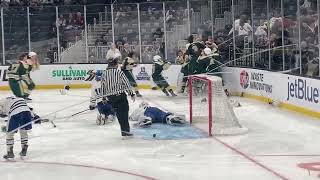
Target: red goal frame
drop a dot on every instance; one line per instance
(210, 114)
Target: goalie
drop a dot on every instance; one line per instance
(146, 115)
(105, 110)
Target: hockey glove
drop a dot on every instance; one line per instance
(133, 98)
(92, 107)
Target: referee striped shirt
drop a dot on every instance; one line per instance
(114, 82)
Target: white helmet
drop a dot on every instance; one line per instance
(156, 58)
(207, 51)
(30, 54)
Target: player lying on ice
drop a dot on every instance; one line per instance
(105, 110)
(20, 118)
(145, 115)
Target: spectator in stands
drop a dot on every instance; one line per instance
(191, 39)
(101, 41)
(242, 28)
(70, 19)
(125, 51)
(67, 2)
(78, 19)
(113, 52)
(47, 2)
(275, 20)
(211, 44)
(14, 3)
(157, 34)
(262, 34)
(170, 17)
(34, 3)
(61, 21)
(306, 4)
(120, 15)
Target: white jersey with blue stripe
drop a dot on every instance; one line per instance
(14, 105)
(96, 95)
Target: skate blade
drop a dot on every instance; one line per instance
(23, 157)
(9, 159)
(127, 137)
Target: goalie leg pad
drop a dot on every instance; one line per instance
(175, 120)
(145, 121)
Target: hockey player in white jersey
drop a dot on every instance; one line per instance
(20, 118)
(146, 115)
(105, 110)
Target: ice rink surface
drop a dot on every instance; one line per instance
(78, 149)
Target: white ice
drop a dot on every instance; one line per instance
(78, 149)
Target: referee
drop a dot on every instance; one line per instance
(114, 85)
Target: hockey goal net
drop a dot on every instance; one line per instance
(209, 107)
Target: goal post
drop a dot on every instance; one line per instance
(191, 83)
(209, 107)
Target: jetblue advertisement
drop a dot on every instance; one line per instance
(292, 90)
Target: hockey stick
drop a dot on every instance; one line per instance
(68, 107)
(79, 112)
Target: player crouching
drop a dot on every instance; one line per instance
(105, 110)
(158, 66)
(145, 115)
(20, 118)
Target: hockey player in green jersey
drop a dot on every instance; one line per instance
(194, 50)
(208, 63)
(18, 75)
(158, 66)
(127, 65)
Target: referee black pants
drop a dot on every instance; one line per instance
(121, 107)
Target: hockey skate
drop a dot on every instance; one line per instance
(3, 128)
(23, 152)
(101, 120)
(9, 154)
(127, 135)
(172, 93)
(138, 94)
(111, 118)
(166, 92)
(28, 100)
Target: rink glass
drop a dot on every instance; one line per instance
(162, 28)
